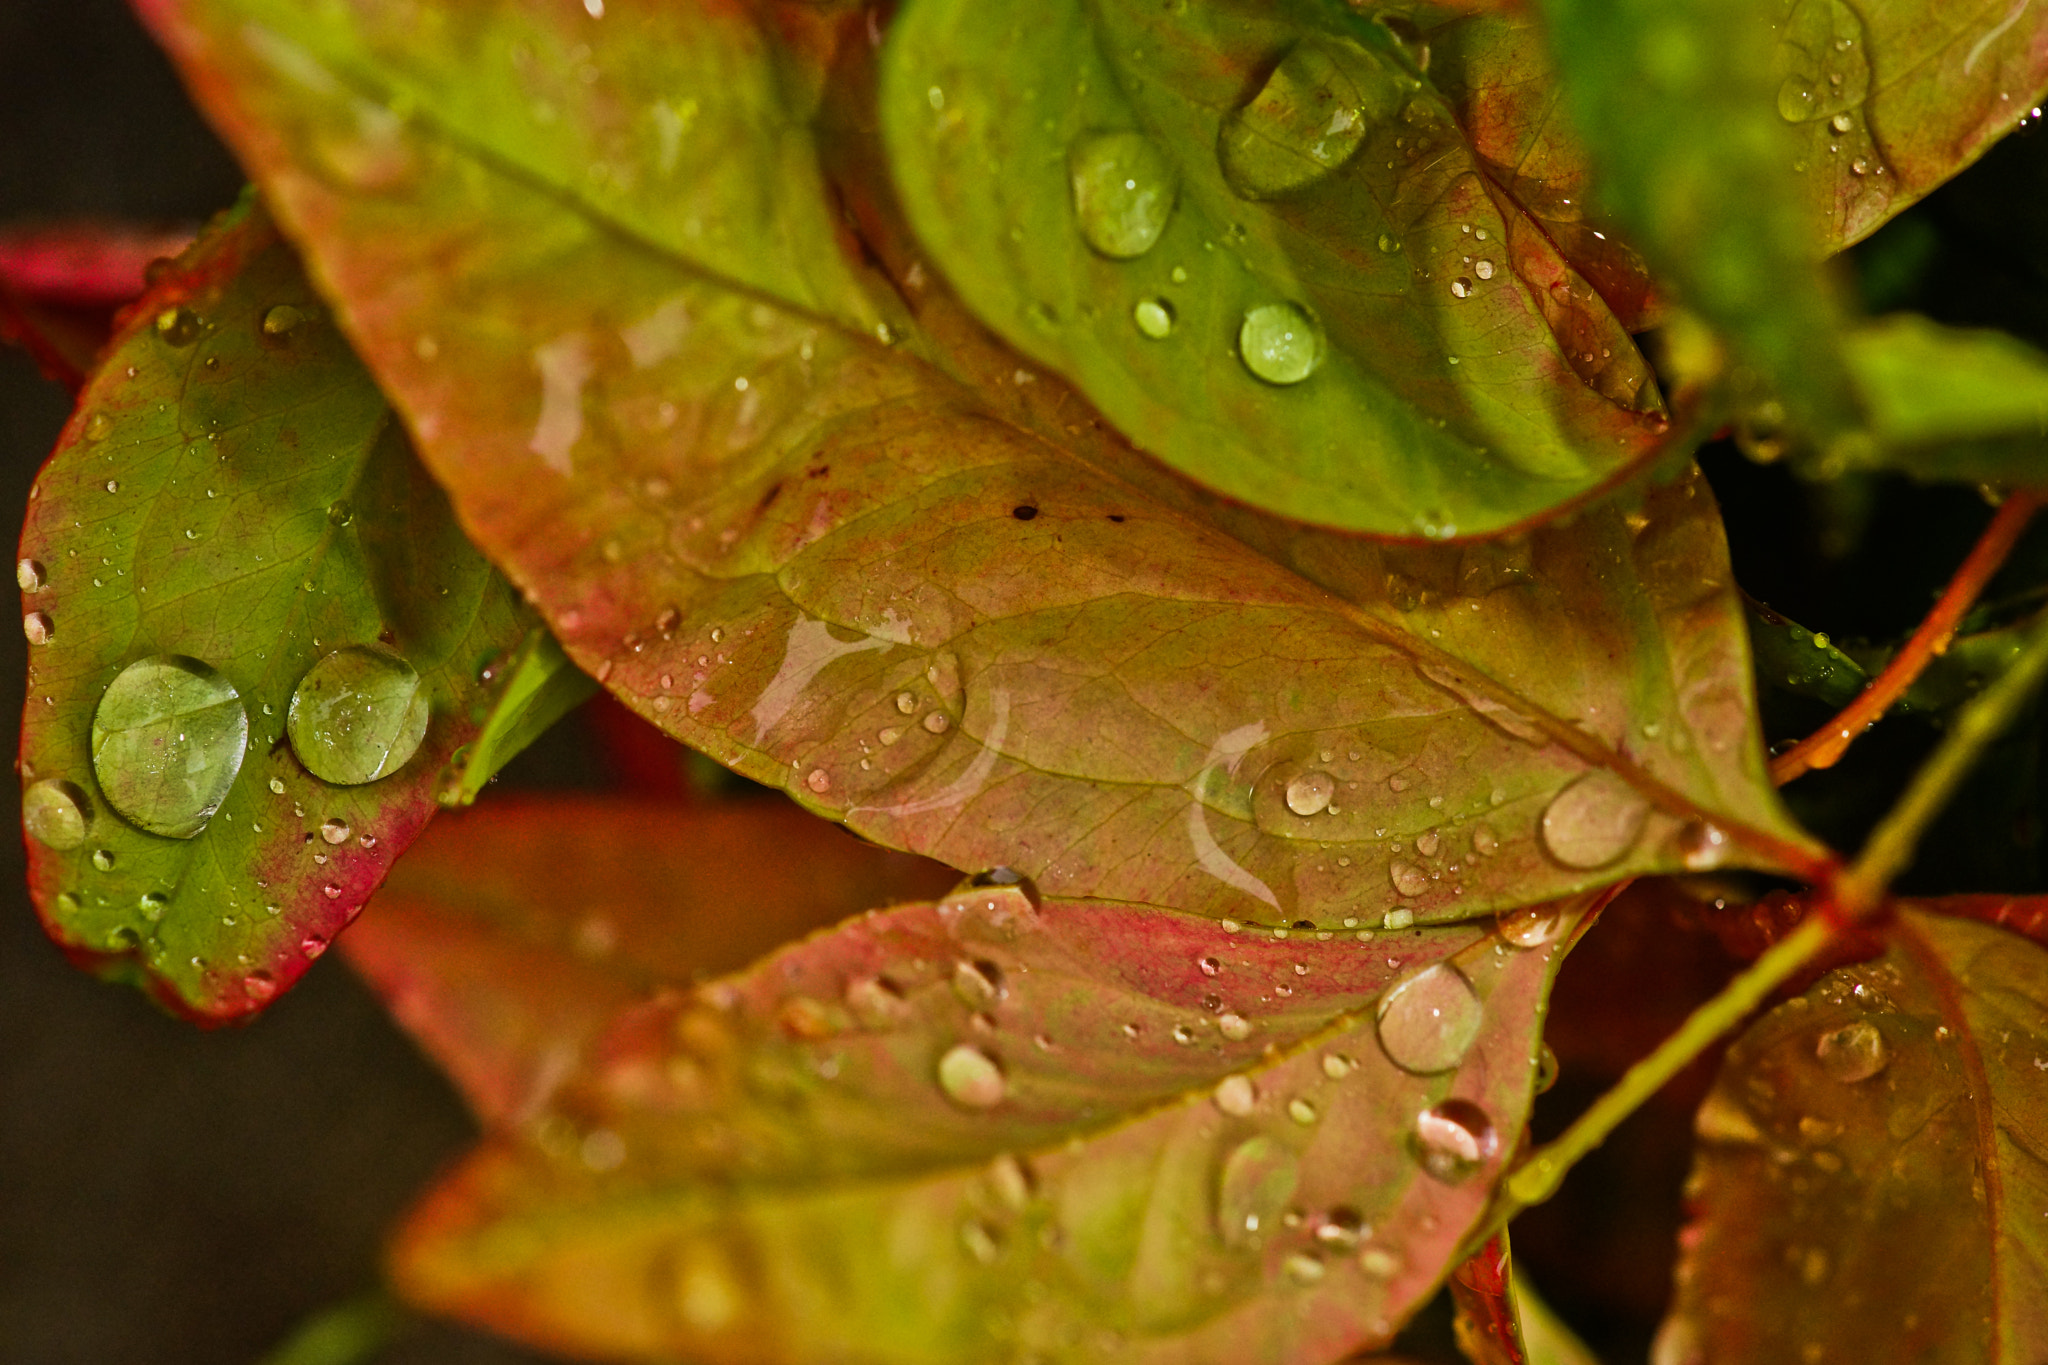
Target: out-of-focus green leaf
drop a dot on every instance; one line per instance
(232, 504)
(944, 1132)
(1871, 1182)
(1950, 403)
(1258, 239)
(1790, 656)
(539, 687)
(1549, 1339)
(1676, 100)
(981, 630)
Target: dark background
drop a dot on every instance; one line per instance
(172, 1195)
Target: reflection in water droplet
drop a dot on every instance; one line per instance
(153, 904)
(1309, 793)
(1452, 1139)
(1461, 287)
(1124, 189)
(1530, 926)
(1593, 821)
(1308, 119)
(359, 714)
(1253, 1186)
(1209, 965)
(1408, 879)
(335, 830)
(56, 813)
(1702, 845)
(38, 628)
(1280, 343)
(167, 741)
(971, 1078)
(1428, 1020)
(1236, 1096)
(29, 574)
(103, 859)
(1154, 318)
(1854, 1052)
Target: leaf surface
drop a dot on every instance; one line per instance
(232, 490)
(1952, 403)
(946, 1131)
(834, 569)
(1259, 240)
(1870, 1182)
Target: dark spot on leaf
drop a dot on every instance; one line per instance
(774, 492)
(1304, 924)
(1024, 513)
(1116, 516)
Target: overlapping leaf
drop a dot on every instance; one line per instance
(1871, 1182)
(815, 558)
(946, 1131)
(234, 499)
(1258, 239)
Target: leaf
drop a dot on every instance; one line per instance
(1258, 239)
(811, 556)
(950, 1131)
(1870, 1183)
(231, 504)
(1952, 403)
(540, 687)
(1488, 1323)
(511, 935)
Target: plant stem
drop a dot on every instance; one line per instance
(349, 1333)
(1856, 894)
(1824, 746)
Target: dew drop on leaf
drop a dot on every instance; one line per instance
(1530, 926)
(1408, 879)
(1593, 821)
(1235, 1027)
(1453, 1138)
(876, 1002)
(1310, 792)
(1236, 1096)
(1303, 1267)
(1428, 1020)
(971, 1078)
(1124, 189)
(178, 326)
(1308, 119)
(103, 859)
(56, 813)
(30, 575)
(978, 984)
(335, 830)
(1280, 343)
(1253, 1185)
(168, 739)
(279, 321)
(38, 628)
(357, 715)
(1341, 1229)
(1154, 317)
(1854, 1052)
(153, 904)
(1301, 1111)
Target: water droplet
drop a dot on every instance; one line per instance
(1337, 1066)
(1428, 1020)
(981, 1241)
(178, 326)
(1124, 188)
(1452, 1139)
(1483, 269)
(1308, 119)
(1795, 99)
(339, 513)
(978, 984)
(1702, 845)
(1303, 1267)
(1546, 1069)
(1253, 1185)
(103, 859)
(1531, 926)
(1154, 318)
(168, 739)
(906, 703)
(1593, 821)
(38, 628)
(1280, 343)
(971, 1078)
(276, 786)
(29, 574)
(359, 714)
(1235, 1027)
(332, 891)
(877, 1002)
(279, 321)
(260, 986)
(1427, 842)
(1310, 792)
(819, 781)
(335, 830)
(56, 813)
(1210, 966)
(98, 427)
(1485, 843)
(1408, 879)
(937, 722)
(1342, 1228)
(1236, 1096)
(1399, 918)
(1301, 1111)
(1389, 243)
(1854, 1052)
(1461, 287)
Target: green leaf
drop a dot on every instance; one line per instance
(1870, 1179)
(541, 686)
(232, 509)
(950, 1131)
(1952, 403)
(1259, 240)
(841, 573)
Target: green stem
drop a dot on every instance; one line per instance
(350, 1333)
(1857, 893)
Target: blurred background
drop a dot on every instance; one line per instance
(172, 1195)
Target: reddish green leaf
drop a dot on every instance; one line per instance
(943, 1131)
(1258, 239)
(816, 559)
(231, 505)
(1870, 1182)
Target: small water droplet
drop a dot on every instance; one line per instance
(339, 513)
(1485, 843)
(1337, 1066)
(1154, 318)
(335, 830)
(1235, 1096)
(1301, 1111)
(103, 859)
(1461, 288)
(819, 781)
(1854, 1052)
(1454, 1138)
(1342, 1228)
(1281, 343)
(332, 890)
(1531, 926)
(1253, 1185)
(877, 1002)
(358, 715)
(1389, 243)
(978, 984)
(29, 574)
(280, 321)
(1702, 845)
(260, 986)
(1303, 1267)
(1233, 1026)
(1408, 879)
(1427, 842)
(1795, 99)
(1124, 188)
(276, 786)
(937, 722)
(1483, 269)
(1308, 119)
(1593, 821)
(1210, 966)
(56, 813)
(168, 739)
(971, 1078)
(98, 427)
(38, 628)
(153, 904)
(1429, 1019)
(178, 326)
(1310, 792)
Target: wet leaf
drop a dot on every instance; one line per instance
(950, 1130)
(1485, 1289)
(1870, 1183)
(1259, 240)
(537, 686)
(231, 505)
(811, 556)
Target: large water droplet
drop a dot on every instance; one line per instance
(1408, 879)
(56, 813)
(1594, 821)
(1308, 119)
(29, 574)
(167, 741)
(1252, 1189)
(1124, 188)
(1310, 792)
(1427, 1021)
(1854, 1052)
(1280, 343)
(357, 715)
(1452, 1139)
(971, 1078)
(37, 628)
